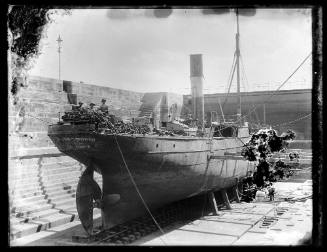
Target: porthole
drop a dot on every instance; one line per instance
(157, 145)
(174, 145)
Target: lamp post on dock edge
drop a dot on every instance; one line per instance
(59, 40)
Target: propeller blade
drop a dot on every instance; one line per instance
(87, 191)
(84, 206)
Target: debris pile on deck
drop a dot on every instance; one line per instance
(111, 124)
(104, 122)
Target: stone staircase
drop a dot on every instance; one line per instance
(42, 193)
(150, 102)
(146, 111)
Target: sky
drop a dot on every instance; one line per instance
(139, 50)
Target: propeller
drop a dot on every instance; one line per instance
(89, 196)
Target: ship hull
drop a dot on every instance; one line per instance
(164, 169)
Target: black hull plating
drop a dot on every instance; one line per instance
(165, 169)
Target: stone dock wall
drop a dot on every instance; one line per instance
(281, 109)
(42, 181)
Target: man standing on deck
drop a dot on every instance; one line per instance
(92, 108)
(104, 108)
(80, 106)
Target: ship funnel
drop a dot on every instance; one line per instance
(196, 70)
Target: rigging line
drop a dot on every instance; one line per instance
(275, 92)
(230, 79)
(137, 190)
(244, 84)
(221, 110)
(298, 119)
(239, 138)
(230, 85)
(243, 69)
(37, 118)
(231, 70)
(248, 87)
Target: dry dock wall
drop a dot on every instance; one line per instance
(45, 98)
(42, 181)
(281, 108)
(122, 103)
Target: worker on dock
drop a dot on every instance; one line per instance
(271, 192)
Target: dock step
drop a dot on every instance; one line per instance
(24, 229)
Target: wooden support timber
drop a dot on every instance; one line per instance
(225, 198)
(237, 197)
(213, 202)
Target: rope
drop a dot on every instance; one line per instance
(230, 79)
(247, 86)
(275, 92)
(298, 119)
(244, 74)
(137, 190)
(231, 70)
(38, 118)
(221, 110)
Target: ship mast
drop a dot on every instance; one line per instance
(237, 52)
(236, 66)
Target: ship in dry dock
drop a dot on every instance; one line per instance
(142, 172)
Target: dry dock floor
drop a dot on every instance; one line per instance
(260, 223)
